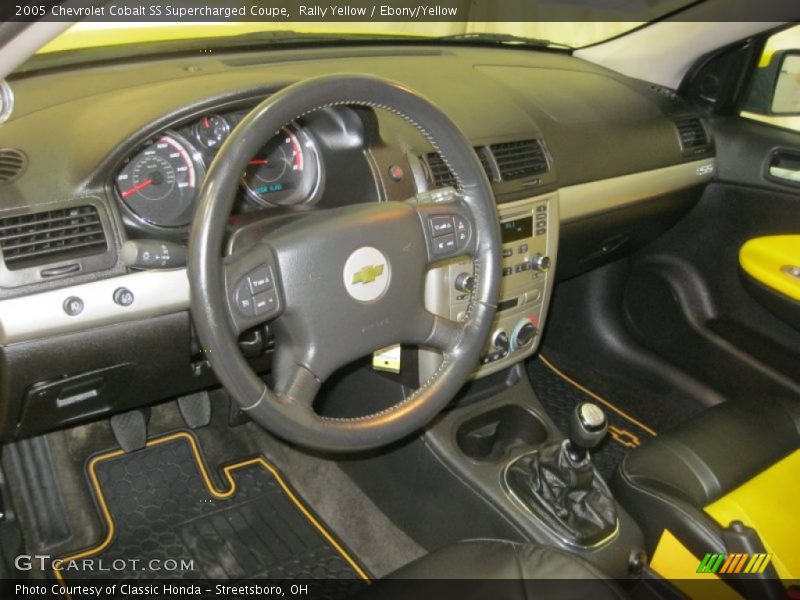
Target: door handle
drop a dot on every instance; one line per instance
(784, 166)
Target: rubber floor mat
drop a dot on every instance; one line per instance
(160, 505)
(560, 394)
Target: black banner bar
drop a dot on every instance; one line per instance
(338, 11)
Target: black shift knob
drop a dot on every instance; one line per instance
(587, 428)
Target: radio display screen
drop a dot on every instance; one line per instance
(518, 229)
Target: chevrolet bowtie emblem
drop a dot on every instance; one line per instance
(368, 274)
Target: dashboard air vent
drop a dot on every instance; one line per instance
(12, 164)
(440, 173)
(442, 176)
(692, 133)
(520, 159)
(47, 237)
(486, 161)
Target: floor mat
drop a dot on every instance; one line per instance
(560, 393)
(160, 504)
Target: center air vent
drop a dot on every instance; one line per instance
(519, 159)
(692, 133)
(440, 173)
(12, 164)
(514, 160)
(51, 236)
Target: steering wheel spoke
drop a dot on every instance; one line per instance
(251, 287)
(447, 224)
(301, 388)
(444, 334)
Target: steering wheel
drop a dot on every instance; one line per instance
(338, 284)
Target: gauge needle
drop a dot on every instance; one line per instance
(137, 187)
(259, 161)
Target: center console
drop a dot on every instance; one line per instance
(529, 230)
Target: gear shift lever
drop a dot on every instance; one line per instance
(559, 485)
(587, 428)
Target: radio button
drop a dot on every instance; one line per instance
(540, 263)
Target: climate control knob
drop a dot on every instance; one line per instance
(540, 262)
(524, 332)
(500, 340)
(465, 282)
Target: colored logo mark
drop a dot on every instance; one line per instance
(722, 563)
(368, 274)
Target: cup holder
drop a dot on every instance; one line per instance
(493, 434)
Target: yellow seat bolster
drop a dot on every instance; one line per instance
(762, 259)
(675, 562)
(770, 504)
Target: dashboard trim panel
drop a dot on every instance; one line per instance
(41, 315)
(587, 199)
(161, 292)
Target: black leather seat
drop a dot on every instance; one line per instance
(666, 483)
(500, 570)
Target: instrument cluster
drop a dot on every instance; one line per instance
(159, 183)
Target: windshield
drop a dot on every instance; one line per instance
(578, 25)
(93, 35)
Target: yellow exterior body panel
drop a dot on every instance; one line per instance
(770, 504)
(763, 258)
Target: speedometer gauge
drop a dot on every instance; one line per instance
(160, 183)
(285, 171)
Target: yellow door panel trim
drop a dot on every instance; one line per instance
(600, 399)
(770, 504)
(766, 260)
(219, 494)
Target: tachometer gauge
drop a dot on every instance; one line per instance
(160, 183)
(285, 171)
(211, 131)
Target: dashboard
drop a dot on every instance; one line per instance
(586, 166)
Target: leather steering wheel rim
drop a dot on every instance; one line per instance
(288, 413)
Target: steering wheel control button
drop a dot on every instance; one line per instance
(123, 297)
(73, 306)
(367, 274)
(444, 244)
(260, 280)
(265, 303)
(441, 226)
(243, 298)
(462, 230)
